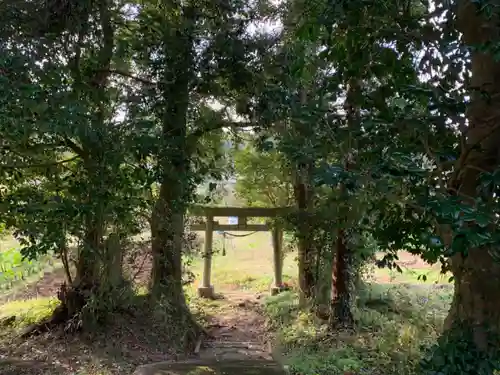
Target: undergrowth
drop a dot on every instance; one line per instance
(15, 269)
(140, 333)
(394, 326)
(29, 311)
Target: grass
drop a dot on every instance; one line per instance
(394, 324)
(248, 263)
(29, 311)
(397, 316)
(422, 275)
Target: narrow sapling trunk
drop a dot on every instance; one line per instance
(342, 264)
(341, 289)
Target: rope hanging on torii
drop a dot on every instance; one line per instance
(224, 234)
(238, 235)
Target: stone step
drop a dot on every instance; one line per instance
(235, 353)
(213, 367)
(234, 344)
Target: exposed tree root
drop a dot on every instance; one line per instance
(58, 318)
(71, 316)
(193, 334)
(67, 314)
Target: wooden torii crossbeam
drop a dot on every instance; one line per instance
(206, 289)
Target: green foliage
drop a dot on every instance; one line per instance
(14, 268)
(263, 179)
(69, 167)
(390, 172)
(107, 124)
(457, 353)
(395, 326)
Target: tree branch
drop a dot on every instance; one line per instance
(37, 165)
(199, 132)
(131, 76)
(466, 152)
(74, 147)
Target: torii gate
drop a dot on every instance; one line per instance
(206, 289)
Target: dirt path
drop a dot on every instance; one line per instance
(239, 343)
(238, 330)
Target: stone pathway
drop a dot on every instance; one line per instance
(239, 345)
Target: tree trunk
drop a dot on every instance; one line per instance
(88, 265)
(166, 233)
(305, 245)
(342, 262)
(112, 268)
(476, 300)
(340, 308)
(166, 276)
(167, 223)
(75, 296)
(87, 261)
(87, 281)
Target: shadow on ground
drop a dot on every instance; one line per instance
(127, 340)
(12, 366)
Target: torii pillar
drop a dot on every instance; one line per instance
(206, 289)
(277, 239)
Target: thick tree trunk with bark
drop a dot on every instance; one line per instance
(167, 223)
(167, 227)
(476, 301)
(166, 233)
